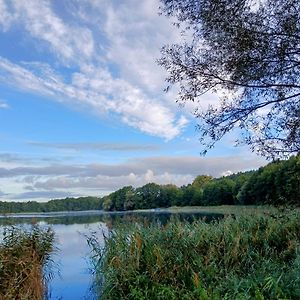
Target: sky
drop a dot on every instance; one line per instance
(82, 104)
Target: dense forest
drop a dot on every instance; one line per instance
(277, 183)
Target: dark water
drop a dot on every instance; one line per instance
(72, 278)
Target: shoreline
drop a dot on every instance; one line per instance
(220, 209)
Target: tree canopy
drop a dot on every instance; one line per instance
(248, 51)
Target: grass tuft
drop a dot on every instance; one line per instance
(23, 258)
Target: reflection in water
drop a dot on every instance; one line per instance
(74, 279)
(102, 217)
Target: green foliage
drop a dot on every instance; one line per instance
(201, 180)
(24, 256)
(151, 196)
(171, 194)
(278, 183)
(191, 196)
(252, 257)
(67, 204)
(218, 192)
(250, 51)
(72, 204)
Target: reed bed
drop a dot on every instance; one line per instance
(243, 257)
(24, 257)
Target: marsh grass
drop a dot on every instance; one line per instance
(24, 256)
(246, 257)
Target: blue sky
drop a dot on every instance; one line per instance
(82, 107)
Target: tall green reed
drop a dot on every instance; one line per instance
(244, 257)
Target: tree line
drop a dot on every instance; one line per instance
(67, 204)
(277, 183)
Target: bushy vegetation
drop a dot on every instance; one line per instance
(247, 257)
(24, 258)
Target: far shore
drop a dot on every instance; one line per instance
(221, 209)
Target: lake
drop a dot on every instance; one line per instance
(72, 277)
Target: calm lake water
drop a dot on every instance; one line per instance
(72, 277)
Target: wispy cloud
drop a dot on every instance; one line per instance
(188, 165)
(2, 194)
(104, 183)
(3, 104)
(97, 146)
(135, 37)
(17, 159)
(6, 17)
(69, 43)
(8, 157)
(92, 53)
(98, 90)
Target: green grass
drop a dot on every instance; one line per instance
(24, 255)
(246, 257)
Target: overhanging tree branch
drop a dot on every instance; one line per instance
(254, 54)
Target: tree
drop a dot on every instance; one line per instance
(201, 180)
(150, 194)
(132, 199)
(107, 203)
(191, 195)
(118, 198)
(278, 183)
(170, 195)
(248, 50)
(219, 192)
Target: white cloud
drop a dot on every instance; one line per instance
(2, 195)
(126, 35)
(132, 178)
(97, 89)
(158, 165)
(70, 43)
(95, 146)
(3, 104)
(102, 183)
(136, 33)
(149, 176)
(6, 18)
(226, 173)
(22, 78)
